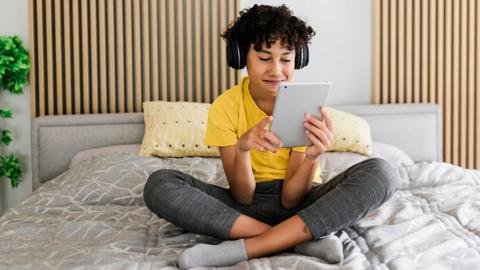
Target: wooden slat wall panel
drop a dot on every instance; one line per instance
(107, 56)
(428, 51)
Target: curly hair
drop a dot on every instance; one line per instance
(262, 23)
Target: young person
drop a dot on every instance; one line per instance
(272, 203)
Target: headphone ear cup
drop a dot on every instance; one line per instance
(236, 57)
(302, 57)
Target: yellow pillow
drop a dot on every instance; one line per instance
(352, 133)
(176, 129)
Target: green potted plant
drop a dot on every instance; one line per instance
(14, 68)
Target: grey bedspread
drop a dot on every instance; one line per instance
(93, 217)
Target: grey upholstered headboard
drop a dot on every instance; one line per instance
(415, 128)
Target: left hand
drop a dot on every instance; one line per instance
(319, 134)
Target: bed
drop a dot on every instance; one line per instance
(87, 209)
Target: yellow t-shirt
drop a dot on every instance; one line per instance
(232, 114)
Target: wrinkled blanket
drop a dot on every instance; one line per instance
(93, 217)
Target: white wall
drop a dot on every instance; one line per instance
(340, 50)
(14, 21)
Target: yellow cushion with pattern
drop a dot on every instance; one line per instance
(176, 129)
(352, 133)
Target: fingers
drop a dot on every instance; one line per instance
(321, 125)
(321, 133)
(273, 139)
(264, 123)
(326, 118)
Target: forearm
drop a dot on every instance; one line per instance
(296, 187)
(242, 181)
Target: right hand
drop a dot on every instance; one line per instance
(259, 138)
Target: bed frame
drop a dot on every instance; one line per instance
(415, 128)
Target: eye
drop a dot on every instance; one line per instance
(264, 59)
(286, 60)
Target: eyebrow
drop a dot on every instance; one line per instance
(269, 52)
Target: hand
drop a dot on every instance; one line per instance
(259, 138)
(319, 134)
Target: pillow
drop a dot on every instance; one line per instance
(176, 129)
(86, 154)
(333, 163)
(352, 133)
(391, 153)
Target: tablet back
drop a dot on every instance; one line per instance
(292, 101)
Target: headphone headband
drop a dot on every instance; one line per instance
(237, 57)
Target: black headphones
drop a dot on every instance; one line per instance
(237, 57)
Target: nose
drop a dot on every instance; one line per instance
(276, 68)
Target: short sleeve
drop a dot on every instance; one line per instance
(221, 125)
(299, 149)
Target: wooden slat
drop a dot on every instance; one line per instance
(94, 55)
(392, 93)
(463, 84)
(385, 48)
(198, 69)
(477, 87)
(223, 63)
(416, 51)
(188, 50)
(180, 47)
(409, 53)
(232, 13)
(33, 58)
(68, 58)
(146, 50)
(155, 63)
(129, 55)
(103, 55)
(85, 66)
(432, 51)
(206, 52)
(425, 47)
(76, 58)
(137, 55)
(401, 52)
(171, 52)
(214, 45)
(163, 46)
(471, 85)
(440, 67)
(120, 72)
(59, 56)
(448, 82)
(112, 78)
(456, 83)
(49, 53)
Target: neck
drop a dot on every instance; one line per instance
(264, 103)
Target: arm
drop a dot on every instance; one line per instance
(301, 167)
(299, 179)
(236, 160)
(239, 173)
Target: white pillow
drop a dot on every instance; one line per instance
(391, 153)
(333, 163)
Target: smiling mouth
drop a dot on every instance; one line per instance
(273, 82)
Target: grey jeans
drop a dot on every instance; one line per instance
(207, 209)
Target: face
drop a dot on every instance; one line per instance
(268, 67)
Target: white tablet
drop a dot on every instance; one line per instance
(293, 100)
